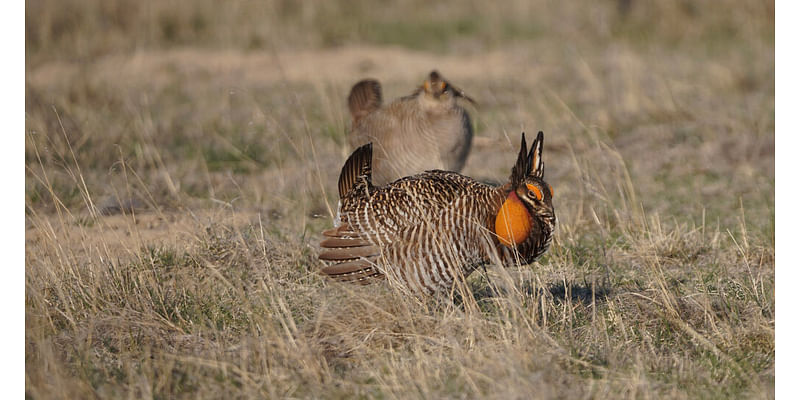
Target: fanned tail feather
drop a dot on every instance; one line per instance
(349, 257)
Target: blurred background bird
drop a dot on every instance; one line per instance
(425, 130)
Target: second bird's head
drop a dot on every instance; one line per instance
(438, 89)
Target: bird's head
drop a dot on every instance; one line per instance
(438, 89)
(529, 199)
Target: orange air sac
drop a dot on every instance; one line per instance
(513, 222)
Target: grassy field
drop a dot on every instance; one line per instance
(181, 161)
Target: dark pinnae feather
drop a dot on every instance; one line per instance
(520, 169)
(365, 97)
(358, 166)
(535, 164)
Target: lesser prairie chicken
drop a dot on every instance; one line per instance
(426, 231)
(424, 130)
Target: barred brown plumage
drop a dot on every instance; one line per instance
(425, 130)
(427, 230)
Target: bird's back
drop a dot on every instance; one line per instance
(409, 201)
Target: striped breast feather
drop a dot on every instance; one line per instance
(430, 255)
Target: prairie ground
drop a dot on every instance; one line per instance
(181, 161)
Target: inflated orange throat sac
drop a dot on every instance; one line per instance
(513, 223)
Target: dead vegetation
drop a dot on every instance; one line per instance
(181, 160)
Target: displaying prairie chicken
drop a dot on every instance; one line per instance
(429, 230)
(422, 131)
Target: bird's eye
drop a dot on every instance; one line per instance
(534, 192)
(427, 86)
(551, 190)
(442, 85)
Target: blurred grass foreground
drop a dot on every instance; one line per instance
(182, 156)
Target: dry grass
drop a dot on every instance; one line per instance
(181, 160)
